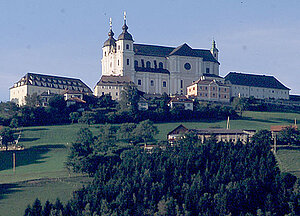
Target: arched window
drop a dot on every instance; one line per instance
(161, 65)
(143, 64)
(148, 64)
(136, 63)
(127, 46)
(155, 64)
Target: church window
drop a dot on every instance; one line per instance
(127, 46)
(152, 83)
(110, 64)
(181, 83)
(104, 53)
(127, 61)
(187, 66)
(164, 84)
(139, 82)
(161, 65)
(207, 70)
(118, 62)
(119, 47)
(148, 64)
(116, 93)
(143, 63)
(225, 96)
(155, 64)
(136, 63)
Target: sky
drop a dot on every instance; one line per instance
(65, 38)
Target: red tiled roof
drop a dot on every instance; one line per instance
(277, 128)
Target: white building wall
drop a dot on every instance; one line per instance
(259, 92)
(17, 94)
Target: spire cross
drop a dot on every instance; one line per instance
(110, 23)
(124, 16)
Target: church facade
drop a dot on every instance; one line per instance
(156, 69)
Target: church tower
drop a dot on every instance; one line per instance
(214, 51)
(109, 50)
(125, 54)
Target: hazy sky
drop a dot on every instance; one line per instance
(65, 37)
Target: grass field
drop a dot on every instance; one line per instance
(41, 170)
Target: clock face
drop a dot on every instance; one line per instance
(187, 66)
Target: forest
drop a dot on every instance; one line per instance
(188, 178)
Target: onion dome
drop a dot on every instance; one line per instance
(110, 41)
(125, 35)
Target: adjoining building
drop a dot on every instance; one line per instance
(226, 135)
(258, 86)
(209, 88)
(112, 85)
(48, 84)
(156, 69)
(181, 102)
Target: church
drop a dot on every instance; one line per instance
(155, 69)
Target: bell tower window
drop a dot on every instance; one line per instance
(127, 46)
(128, 61)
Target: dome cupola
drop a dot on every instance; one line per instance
(110, 41)
(125, 35)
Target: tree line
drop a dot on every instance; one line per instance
(190, 178)
(105, 110)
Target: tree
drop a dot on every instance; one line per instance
(125, 132)
(289, 136)
(144, 131)
(33, 100)
(74, 116)
(6, 136)
(129, 98)
(88, 117)
(80, 151)
(240, 104)
(14, 123)
(58, 103)
(106, 101)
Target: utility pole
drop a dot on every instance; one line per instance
(14, 162)
(275, 142)
(228, 124)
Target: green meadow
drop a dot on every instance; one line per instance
(41, 172)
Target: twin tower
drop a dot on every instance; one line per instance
(156, 69)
